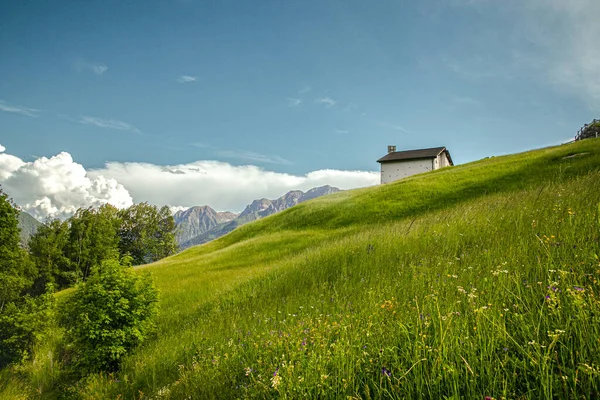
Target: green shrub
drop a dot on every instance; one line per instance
(23, 322)
(109, 314)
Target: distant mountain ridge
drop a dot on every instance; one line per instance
(204, 220)
(29, 226)
(197, 220)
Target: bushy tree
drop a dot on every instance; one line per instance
(47, 249)
(22, 318)
(22, 323)
(16, 271)
(93, 237)
(147, 233)
(109, 314)
(589, 131)
(65, 252)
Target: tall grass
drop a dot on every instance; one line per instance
(475, 281)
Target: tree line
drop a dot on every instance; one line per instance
(64, 252)
(111, 308)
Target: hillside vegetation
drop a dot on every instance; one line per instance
(471, 281)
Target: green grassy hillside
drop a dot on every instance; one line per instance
(471, 281)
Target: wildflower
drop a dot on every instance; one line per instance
(248, 371)
(579, 289)
(384, 371)
(275, 381)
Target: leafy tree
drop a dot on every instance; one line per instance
(47, 249)
(65, 252)
(16, 271)
(591, 130)
(22, 318)
(22, 323)
(109, 314)
(147, 233)
(93, 237)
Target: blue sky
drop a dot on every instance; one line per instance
(292, 86)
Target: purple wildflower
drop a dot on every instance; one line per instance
(276, 371)
(384, 371)
(579, 289)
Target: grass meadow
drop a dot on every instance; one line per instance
(476, 281)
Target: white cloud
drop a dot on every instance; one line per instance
(293, 102)
(108, 123)
(201, 145)
(2, 148)
(252, 156)
(99, 69)
(187, 78)
(219, 184)
(8, 164)
(326, 101)
(11, 108)
(57, 186)
(566, 34)
(95, 67)
(552, 41)
(176, 209)
(393, 126)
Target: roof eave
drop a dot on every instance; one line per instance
(449, 157)
(406, 159)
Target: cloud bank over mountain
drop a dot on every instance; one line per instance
(221, 185)
(57, 186)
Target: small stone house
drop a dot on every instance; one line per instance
(400, 164)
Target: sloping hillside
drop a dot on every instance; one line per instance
(471, 281)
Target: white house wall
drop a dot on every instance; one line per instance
(392, 171)
(442, 160)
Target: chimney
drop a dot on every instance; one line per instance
(391, 149)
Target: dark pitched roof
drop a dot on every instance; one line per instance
(415, 155)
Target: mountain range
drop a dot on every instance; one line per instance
(29, 226)
(199, 225)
